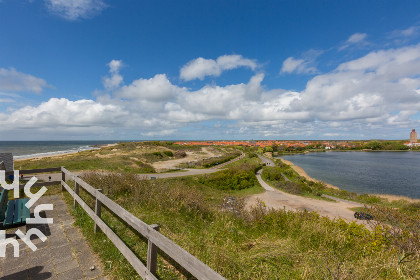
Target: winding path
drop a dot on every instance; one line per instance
(181, 173)
(274, 198)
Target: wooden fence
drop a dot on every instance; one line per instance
(151, 232)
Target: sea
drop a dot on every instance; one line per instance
(396, 173)
(27, 149)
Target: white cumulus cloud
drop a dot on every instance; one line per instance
(115, 79)
(75, 9)
(359, 97)
(158, 88)
(12, 80)
(200, 67)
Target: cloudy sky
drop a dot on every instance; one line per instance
(220, 69)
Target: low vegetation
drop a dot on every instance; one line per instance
(291, 182)
(242, 242)
(251, 243)
(135, 157)
(237, 177)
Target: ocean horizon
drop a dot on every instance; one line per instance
(28, 149)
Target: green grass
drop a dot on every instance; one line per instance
(254, 244)
(132, 157)
(251, 243)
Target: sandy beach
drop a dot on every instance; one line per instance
(35, 157)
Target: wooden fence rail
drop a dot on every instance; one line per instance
(151, 232)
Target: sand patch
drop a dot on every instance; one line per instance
(391, 197)
(166, 165)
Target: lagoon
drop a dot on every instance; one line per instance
(396, 173)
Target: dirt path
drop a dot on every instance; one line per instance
(161, 166)
(274, 198)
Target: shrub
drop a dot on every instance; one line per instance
(168, 153)
(236, 178)
(292, 187)
(272, 173)
(219, 160)
(252, 155)
(180, 154)
(171, 196)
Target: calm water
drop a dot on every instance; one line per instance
(24, 149)
(365, 172)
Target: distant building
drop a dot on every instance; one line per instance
(413, 136)
(413, 140)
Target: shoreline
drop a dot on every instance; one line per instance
(299, 170)
(62, 153)
(390, 197)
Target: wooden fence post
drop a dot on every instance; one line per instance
(152, 253)
(98, 205)
(76, 191)
(63, 178)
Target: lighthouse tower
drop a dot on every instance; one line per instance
(413, 136)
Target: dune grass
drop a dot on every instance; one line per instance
(249, 244)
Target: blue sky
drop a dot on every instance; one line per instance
(103, 69)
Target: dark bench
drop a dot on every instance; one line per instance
(13, 212)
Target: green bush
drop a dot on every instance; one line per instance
(168, 153)
(236, 178)
(272, 173)
(219, 160)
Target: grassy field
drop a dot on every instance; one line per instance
(135, 157)
(246, 243)
(242, 243)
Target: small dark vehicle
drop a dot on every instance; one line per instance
(363, 216)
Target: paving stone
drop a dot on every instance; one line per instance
(41, 259)
(39, 272)
(86, 260)
(73, 235)
(39, 243)
(66, 265)
(73, 274)
(62, 253)
(81, 247)
(58, 242)
(16, 273)
(65, 254)
(67, 223)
